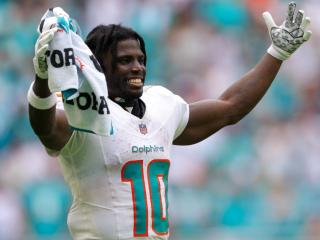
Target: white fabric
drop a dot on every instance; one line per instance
(95, 168)
(40, 103)
(72, 71)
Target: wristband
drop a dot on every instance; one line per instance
(41, 103)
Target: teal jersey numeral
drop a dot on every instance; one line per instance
(157, 182)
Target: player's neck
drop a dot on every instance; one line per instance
(135, 106)
(125, 102)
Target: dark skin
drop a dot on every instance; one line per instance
(206, 117)
(130, 65)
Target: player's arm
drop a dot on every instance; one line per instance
(207, 117)
(49, 123)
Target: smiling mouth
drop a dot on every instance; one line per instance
(135, 82)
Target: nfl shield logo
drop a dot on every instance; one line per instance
(143, 128)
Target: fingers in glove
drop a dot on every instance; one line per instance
(268, 20)
(42, 51)
(289, 20)
(305, 23)
(47, 36)
(299, 18)
(307, 35)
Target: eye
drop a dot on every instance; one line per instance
(141, 60)
(124, 60)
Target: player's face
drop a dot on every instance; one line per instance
(127, 79)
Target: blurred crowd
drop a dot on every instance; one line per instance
(258, 179)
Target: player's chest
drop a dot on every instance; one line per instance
(124, 147)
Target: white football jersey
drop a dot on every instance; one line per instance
(119, 183)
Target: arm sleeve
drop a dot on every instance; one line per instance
(170, 105)
(182, 111)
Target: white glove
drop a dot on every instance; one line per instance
(288, 37)
(53, 20)
(41, 47)
(47, 28)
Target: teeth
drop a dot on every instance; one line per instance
(137, 80)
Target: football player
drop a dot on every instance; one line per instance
(119, 183)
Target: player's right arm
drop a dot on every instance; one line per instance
(50, 124)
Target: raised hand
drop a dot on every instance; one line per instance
(48, 26)
(41, 47)
(290, 35)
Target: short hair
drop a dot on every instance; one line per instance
(104, 38)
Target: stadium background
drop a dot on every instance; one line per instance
(259, 179)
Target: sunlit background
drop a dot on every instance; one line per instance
(259, 179)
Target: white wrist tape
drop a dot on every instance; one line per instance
(41, 103)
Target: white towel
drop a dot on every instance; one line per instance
(74, 71)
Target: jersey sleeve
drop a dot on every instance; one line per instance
(182, 114)
(172, 106)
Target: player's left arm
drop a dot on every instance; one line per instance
(207, 117)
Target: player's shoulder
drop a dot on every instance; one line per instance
(156, 94)
(157, 90)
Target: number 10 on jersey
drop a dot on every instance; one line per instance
(132, 172)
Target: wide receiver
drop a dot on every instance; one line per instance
(119, 183)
